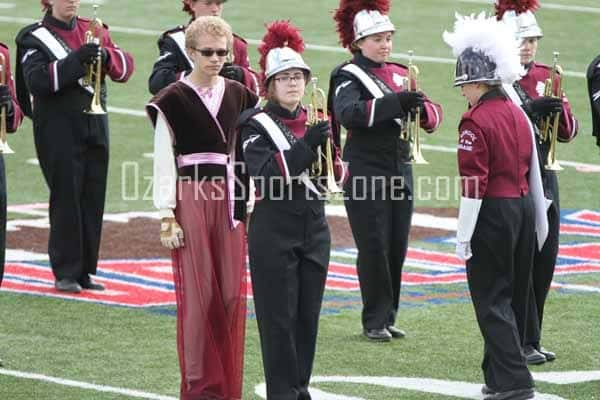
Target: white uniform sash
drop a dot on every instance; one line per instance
(179, 39)
(57, 49)
(367, 82)
(282, 144)
(535, 178)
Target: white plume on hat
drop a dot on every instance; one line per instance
(494, 39)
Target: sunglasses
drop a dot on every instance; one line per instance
(210, 52)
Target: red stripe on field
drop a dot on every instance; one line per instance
(586, 251)
(573, 229)
(117, 292)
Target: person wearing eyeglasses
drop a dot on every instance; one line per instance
(200, 191)
(288, 236)
(530, 94)
(72, 145)
(173, 61)
(368, 96)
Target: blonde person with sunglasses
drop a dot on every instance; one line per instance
(173, 61)
(201, 194)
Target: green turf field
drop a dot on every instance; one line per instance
(135, 349)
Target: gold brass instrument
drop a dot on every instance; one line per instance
(93, 76)
(4, 147)
(318, 101)
(550, 125)
(412, 128)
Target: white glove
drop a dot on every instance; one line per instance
(171, 234)
(463, 250)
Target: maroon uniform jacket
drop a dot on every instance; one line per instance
(494, 149)
(533, 84)
(15, 118)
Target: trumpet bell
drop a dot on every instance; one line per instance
(95, 109)
(553, 166)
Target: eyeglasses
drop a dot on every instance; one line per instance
(210, 52)
(290, 78)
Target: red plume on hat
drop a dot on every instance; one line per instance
(344, 16)
(518, 6)
(279, 34)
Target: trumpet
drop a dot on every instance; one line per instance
(93, 76)
(4, 147)
(412, 128)
(550, 125)
(318, 101)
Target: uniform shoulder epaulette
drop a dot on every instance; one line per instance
(247, 115)
(178, 28)
(26, 30)
(338, 68)
(239, 38)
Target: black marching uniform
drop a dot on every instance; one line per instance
(72, 146)
(289, 244)
(379, 191)
(593, 81)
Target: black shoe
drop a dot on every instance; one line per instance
(533, 356)
(485, 389)
(90, 285)
(550, 355)
(377, 335)
(67, 286)
(396, 332)
(519, 394)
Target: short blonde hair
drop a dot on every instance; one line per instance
(208, 25)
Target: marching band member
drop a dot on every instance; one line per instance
(369, 97)
(173, 61)
(71, 145)
(503, 204)
(530, 91)
(195, 148)
(288, 237)
(593, 81)
(14, 117)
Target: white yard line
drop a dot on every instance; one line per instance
(85, 385)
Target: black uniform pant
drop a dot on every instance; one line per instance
(73, 155)
(499, 280)
(380, 226)
(2, 217)
(544, 263)
(289, 256)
